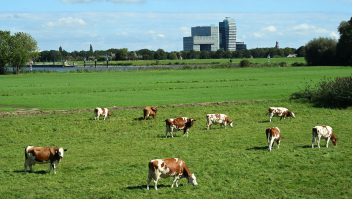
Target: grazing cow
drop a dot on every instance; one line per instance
(149, 111)
(273, 134)
(280, 112)
(171, 167)
(43, 155)
(101, 111)
(325, 132)
(221, 119)
(179, 123)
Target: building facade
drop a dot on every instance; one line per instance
(227, 34)
(203, 38)
(241, 46)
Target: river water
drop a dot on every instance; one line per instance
(63, 69)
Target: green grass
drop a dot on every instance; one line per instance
(109, 159)
(67, 91)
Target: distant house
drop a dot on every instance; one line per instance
(292, 55)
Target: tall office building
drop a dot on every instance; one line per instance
(227, 33)
(203, 38)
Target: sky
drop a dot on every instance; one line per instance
(162, 24)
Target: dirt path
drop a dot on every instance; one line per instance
(36, 111)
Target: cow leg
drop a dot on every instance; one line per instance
(54, 168)
(30, 166)
(270, 117)
(318, 141)
(271, 144)
(327, 141)
(25, 165)
(185, 132)
(278, 143)
(225, 125)
(175, 181)
(150, 177)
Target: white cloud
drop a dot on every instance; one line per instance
(304, 28)
(258, 35)
(65, 22)
(160, 35)
(333, 34)
(270, 29)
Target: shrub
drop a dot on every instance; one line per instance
(298, 64)
(329, 93)
(244, 63)
(283, 64)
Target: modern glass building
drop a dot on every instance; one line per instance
(203, 38)
(227, 34)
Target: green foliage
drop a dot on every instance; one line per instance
(5, 41)
(343, 48)
(244, 63)
(298, 64)
(329, 93)
(283, 64)
(321, 52)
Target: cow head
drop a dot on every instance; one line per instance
(290, 114)
(230, 123)
(154, 109)
(334, 141)
(192, 179)
(109, 115)
(60, 152)
(190, 122)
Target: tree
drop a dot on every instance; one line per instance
(344, 45)
(228, 54)
(204, 54)
(5, 57)
(172, 56)
(219, 53)
(301, 52)
(60, 49)
(122, 54)
(160, 54)
(23, 49)
(321, 52)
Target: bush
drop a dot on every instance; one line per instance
(283, 64)
(329, 93)
(244, 63)
(298, 64)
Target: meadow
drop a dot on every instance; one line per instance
(108, 159)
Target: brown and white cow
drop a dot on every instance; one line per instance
(325, 132)
(179, 123)
(101, 111)
(43, 155)
(221, 119)
(273, 134)
(170, 167)
(150, 111)
(280, 112)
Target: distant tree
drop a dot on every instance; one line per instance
(194, 54)
(122, 54)
(172, 56)
(288, 51)
(219, 53)
(23, 49)
(246, 53)
(344, 45)
(60, 49)
(5, 37)
(160, 54)
(321, 52)
(204, 54)
(185, 54)
(301, 52)
(227, 54)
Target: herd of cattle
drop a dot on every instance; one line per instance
(175, 167)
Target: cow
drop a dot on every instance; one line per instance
(273, 134)
(221, 119)
(280, 112)
(43, 155)
(325, 132)
(150, 111)
(170, 167)
(179, 123)
(101, 111)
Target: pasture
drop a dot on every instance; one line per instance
(108, 159)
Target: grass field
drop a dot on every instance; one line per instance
(67, 91)
(109, 159)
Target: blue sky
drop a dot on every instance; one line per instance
(154, 24)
